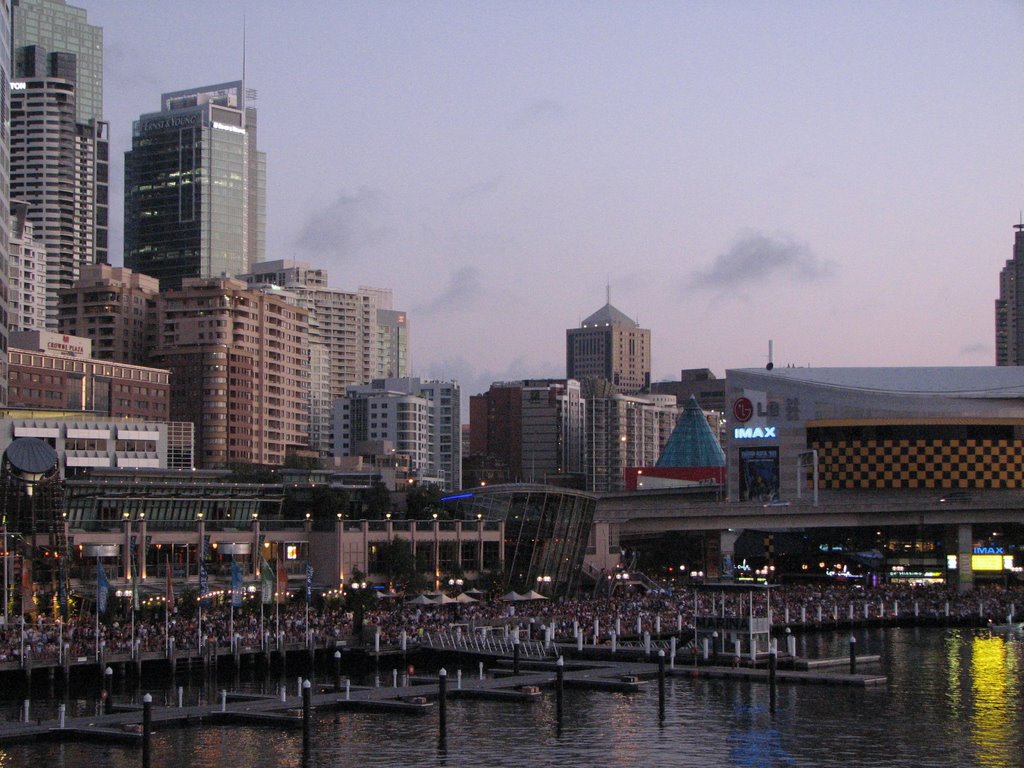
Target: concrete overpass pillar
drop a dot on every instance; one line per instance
(727, 551)
(964, 550)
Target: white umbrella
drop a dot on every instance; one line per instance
(511, 597)
(420, 600)
(533, 595)
(465, 598)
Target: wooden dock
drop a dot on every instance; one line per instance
(124, 724)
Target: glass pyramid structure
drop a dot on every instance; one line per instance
(692, 443)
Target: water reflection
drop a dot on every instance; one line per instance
(953, 699)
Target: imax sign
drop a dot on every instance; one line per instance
(753, 433)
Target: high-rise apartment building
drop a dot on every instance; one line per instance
(239, 368)
(420, 418)
(195, 187)
(354, 336)
(534, 427)
(114, 308)
(609, 345)
(1010, 305)
(27, 273)
(392, 344)
(59, 158)
(625, 431)
(5, 155)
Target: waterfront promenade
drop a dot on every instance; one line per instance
(152, 637)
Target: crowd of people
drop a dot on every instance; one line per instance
(221, 626)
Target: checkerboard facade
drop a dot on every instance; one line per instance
(865, 464)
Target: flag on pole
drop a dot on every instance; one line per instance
(236, 585)
(282, 581)
(204, 585)
(309, 582)
(170, 586)
(27, 592)
(102, 588)
(267, 579)
(135, 588)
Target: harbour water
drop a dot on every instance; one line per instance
(953, 698)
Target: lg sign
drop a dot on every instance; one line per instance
(742, 410)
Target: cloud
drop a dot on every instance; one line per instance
(461, 292)
(756, 257)
(536, 111)
(346, 226)
(480, 189)
(976, 351)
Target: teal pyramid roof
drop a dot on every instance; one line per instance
(692, 443)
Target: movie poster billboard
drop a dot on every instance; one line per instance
(759, 474)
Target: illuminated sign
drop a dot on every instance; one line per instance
(17, 86)
(226, 127)
(178, 121)
(291, 552)
(753, 433)
(988, 551)
(986, 562)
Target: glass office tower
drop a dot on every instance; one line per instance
(195, 187)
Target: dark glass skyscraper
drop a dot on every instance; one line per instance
(195, 187)
(1010, 306)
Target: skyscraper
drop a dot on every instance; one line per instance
(1010, 305)
(195, 187)
(56, 26)
(59, 161)
(609, 345)
(5, 155)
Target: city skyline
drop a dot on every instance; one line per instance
(825, 177)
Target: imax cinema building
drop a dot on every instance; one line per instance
(931, 459)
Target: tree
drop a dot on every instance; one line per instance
(421, 501)
(378, 501)
(399, 565)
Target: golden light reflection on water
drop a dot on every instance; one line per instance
(994, 664)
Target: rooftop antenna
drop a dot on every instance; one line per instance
(608, 291)
(771, 363)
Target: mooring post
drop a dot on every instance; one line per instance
(307, 705)
(772, 665)
(442, 703)
(515, 654)
(661, 684)
(481, 670)
(223, 700)
(147, 728)
(853, 655)
(25, 711)
(60, 716)
(181, 696)
(348, 688)
(559, 687)
(108, 691)
(337, 671)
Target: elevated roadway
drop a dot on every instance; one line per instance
(640, 513)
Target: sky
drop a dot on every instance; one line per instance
(838, 178)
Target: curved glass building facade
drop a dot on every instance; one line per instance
(546, 532)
